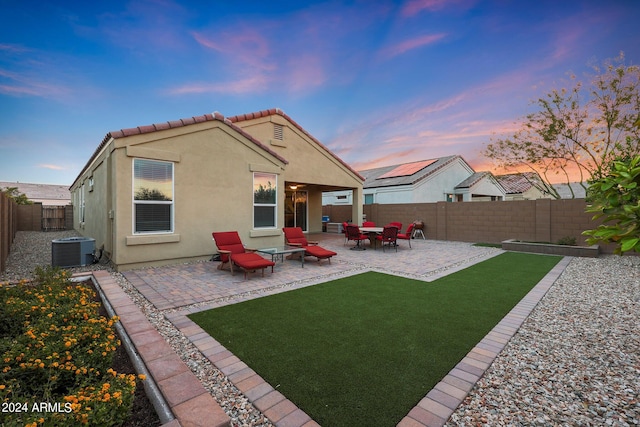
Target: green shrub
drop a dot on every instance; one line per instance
(567, 241)
(615, 198)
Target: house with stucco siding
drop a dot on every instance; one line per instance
(152, 195)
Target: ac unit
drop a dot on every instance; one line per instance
(72, 251)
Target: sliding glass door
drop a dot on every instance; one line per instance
(295, 209)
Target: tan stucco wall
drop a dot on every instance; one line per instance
(308, 162)
(97, 205)
(213, 185)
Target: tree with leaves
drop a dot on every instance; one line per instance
(576, 131)
(16, 196)
(615, 198)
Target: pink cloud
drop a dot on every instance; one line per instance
(305, 73)
(13, 48)
(247, 48)
(411, 44)
(23, 84)
(414, 7)
(141, 26)
(253, 84)
(52, 167)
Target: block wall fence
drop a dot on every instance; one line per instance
(542, 220)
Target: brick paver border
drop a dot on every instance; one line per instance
(191, 404)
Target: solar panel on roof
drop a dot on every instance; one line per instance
(407, 169)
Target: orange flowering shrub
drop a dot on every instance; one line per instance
(55, 356)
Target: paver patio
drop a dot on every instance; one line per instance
(179, 290)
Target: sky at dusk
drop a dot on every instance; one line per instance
(377, 82)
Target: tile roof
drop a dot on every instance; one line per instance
(566, 193)
(46, 193)
(473, 179)
(374, 177)
(230, 121)
(517, 183)
(277, 111)
(139, 130)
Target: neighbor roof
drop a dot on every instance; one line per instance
(376, 177)
(517, 183)
(45, 193)
(566, 193)
(473, 179)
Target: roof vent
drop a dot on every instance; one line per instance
(278, 132)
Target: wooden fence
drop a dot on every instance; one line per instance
(35, 217)
(8, 227)
(54, 218)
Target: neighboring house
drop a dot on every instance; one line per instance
(153, 195)
(573, 190)
(523, 186)
(444, 179)
(47, 194)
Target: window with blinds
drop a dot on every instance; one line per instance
(152, 196)
(265, 200)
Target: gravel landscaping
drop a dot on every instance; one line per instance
(575, 360)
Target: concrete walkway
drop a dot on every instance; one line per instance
(177, 291)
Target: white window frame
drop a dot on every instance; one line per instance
(152, 202)
(273, 205)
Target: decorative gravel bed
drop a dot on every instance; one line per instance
(575, 361)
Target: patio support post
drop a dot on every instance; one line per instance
(356, 206)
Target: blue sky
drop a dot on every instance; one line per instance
(379, 82)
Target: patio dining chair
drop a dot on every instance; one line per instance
(389, 237)
(407, 235)
(294, 236)
(353, 233)
(398, 225)
(232, 252)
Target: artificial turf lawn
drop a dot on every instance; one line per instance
(365, 349)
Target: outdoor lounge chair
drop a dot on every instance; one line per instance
(294, 236)
(407, 235)
(353, 233)
(232, 252)
(389, 237)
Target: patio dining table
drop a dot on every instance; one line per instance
(373, 232)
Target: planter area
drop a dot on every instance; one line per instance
(551, 249)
